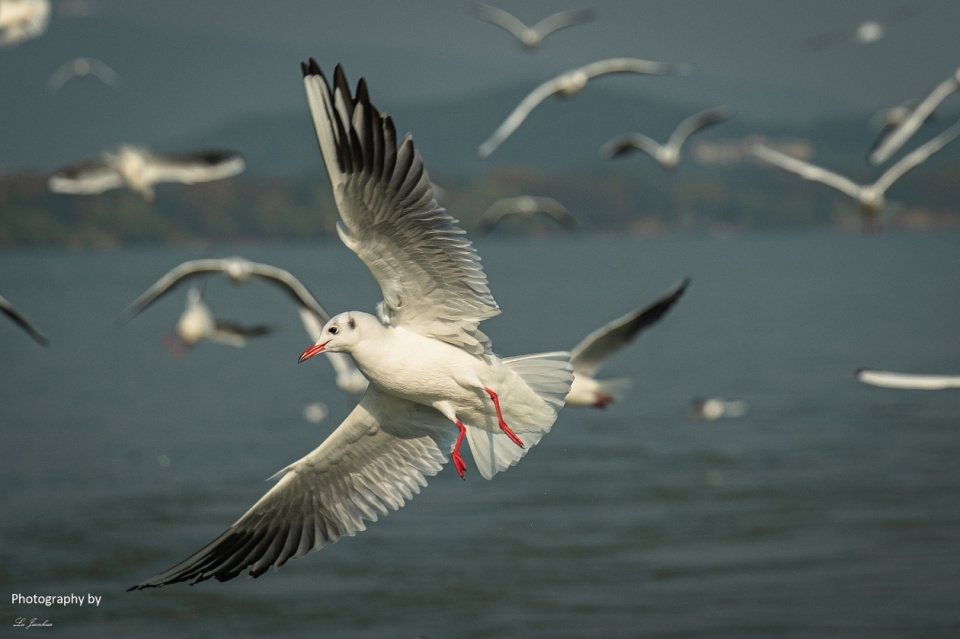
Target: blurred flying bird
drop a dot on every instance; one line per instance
(238, 270)
(526, 206)
(570, 84)
(22, 20)
(717, 407)
(7, 309)
(907, 381)
(430, 367)
(531, 37)
(593, 351)
(140, 170)
(869, 197)
(82, 68)
(197, 324)
(917, 116)
(866, 32)
(667, 155)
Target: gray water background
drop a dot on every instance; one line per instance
(831, 509)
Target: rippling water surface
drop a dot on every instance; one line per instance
(831, 509)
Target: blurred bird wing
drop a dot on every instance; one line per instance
(900, 134)
(7, 309)
(907, 381)
(632, 65)
(172, 278)
(104, 71)
(916, 157)
(808, 171)
(598, 346)
(193, 168)
(555, 210)
(518, 115)
(86, 178)
(430, 275)
(629, 143)
(499, 17)
(375, 461)
(294, 287)
(696, 122)
(563, 19)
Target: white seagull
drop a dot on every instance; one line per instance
(667, 155)
(717, 407)
(22, 20)
(907, 381)
(82, 68)
(7, 309)
(197, 324)
(869, 197)
(570, 84)
(141, 170)
(531, 37)
(238, 270)
(427, 362)
(866, 32)
(593, 351)
(526, 206)
(918, 115)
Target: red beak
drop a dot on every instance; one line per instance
(316, 349)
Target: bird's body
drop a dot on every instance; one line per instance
(870, 198)
(904, 130)
(593, 351)
(668, 154)
(198, 324)
(140, 170)
(568, 85)
(530, 37)
(22, 20)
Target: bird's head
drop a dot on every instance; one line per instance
(339, 335)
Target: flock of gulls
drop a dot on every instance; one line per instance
(427, 380)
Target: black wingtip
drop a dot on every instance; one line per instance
(310, 67)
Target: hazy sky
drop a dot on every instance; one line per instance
(191, 64)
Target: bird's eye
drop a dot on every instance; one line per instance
(333, 330)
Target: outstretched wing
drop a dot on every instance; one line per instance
(562, 20)
(517, 116)
(498, 17)
(85, 178)
(599, 345)
(907, 381)
(696, 122)
(429, 274)
(628, 144)
(173, 277)
(905, 130)
(916, 157)
(7, 309)
(807, 171)
(375, 461)
(194, 167)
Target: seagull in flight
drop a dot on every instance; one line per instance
(531, 37)
(907, 381)
(22, 20)
(82, 68)
(570, 84)
(140, 170)
(428, 364)
(870, 197)
(197, 324)
(526, 206)
(667, 155)
(7, 309)
(596, 348)
(238, 270)
(866, 32)
(895, 139)
(717, 407)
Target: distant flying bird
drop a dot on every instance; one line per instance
(570, 84)
(920, 114)
(7, 309)
(531, 37)
(22, 20)
(197, 324)
(717, 407)
(526, 206)
(238, 270)
(866, 32)
(907, 381)
(82, 68)
(349, 379)
(593, 351)
(869, 197)
(140, 170)
(667, 155)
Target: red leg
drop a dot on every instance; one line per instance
(503, 425)
(455, 456)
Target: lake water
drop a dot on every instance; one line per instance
(831, 509)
